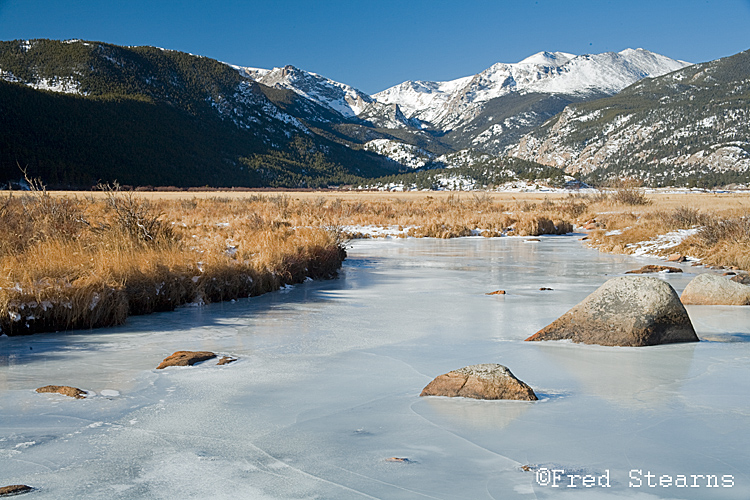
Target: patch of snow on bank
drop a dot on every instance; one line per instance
(372, 231)
(662, 242)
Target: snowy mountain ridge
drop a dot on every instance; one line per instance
(688, 127)
(446, 104)
(593, 115)
(488, 111)
(342, 98)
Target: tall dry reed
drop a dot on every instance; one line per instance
(87, 262)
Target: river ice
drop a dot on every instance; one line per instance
(327, 383)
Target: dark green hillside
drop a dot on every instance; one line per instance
(71, 141)
(144, 116)
(101, 69)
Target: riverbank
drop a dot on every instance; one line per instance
(85, 260)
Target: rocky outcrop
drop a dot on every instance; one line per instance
(225, 360)
(485, 381)
(655, 269)
(496, 292)
(713, 290)
(65, 390)
(624, 311)
(185, 358)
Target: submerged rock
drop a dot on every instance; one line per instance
(14, 489)
(655, 269)
(185, 358)
(741, 278)
(65, 390)
(496, 292)
(485, 381)
(714, 290)
(225, 360)
(624, 311)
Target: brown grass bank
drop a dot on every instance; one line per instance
(84, 262)
(711, 227)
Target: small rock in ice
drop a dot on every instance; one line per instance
(185, 358)
(65, 390)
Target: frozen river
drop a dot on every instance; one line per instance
(327, 387)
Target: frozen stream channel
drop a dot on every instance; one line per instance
(327, 383)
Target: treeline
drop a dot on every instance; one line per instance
(102, 69)
(146, 116)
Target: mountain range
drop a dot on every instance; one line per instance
(78, 112)
(690, 127)
(486, 111)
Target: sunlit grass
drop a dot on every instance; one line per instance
(89, 260)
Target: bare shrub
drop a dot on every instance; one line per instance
(50, 217)
(686, 218)
(630, 196)
(573, 205)
(482, 200)
(629, 192)
(600, 196)
(135, 216)
(732, 230)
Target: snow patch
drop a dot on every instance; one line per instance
(663, 242)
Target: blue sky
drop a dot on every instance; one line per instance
(374, 45)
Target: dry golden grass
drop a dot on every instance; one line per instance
(83, 262)
(72, 260)
(721, 223)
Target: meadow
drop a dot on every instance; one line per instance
(91, 259)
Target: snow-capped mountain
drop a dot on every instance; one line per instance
(488, 111)
(690, 126)
(288, 126)
(78, 112)
(447, 105)
(342, 98)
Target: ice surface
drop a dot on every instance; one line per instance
(327, 382)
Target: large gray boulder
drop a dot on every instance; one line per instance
(485, 381)
(713, 290)
(625, 311)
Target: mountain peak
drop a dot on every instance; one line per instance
(554, 59)
(341, 98)
(446, 104)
